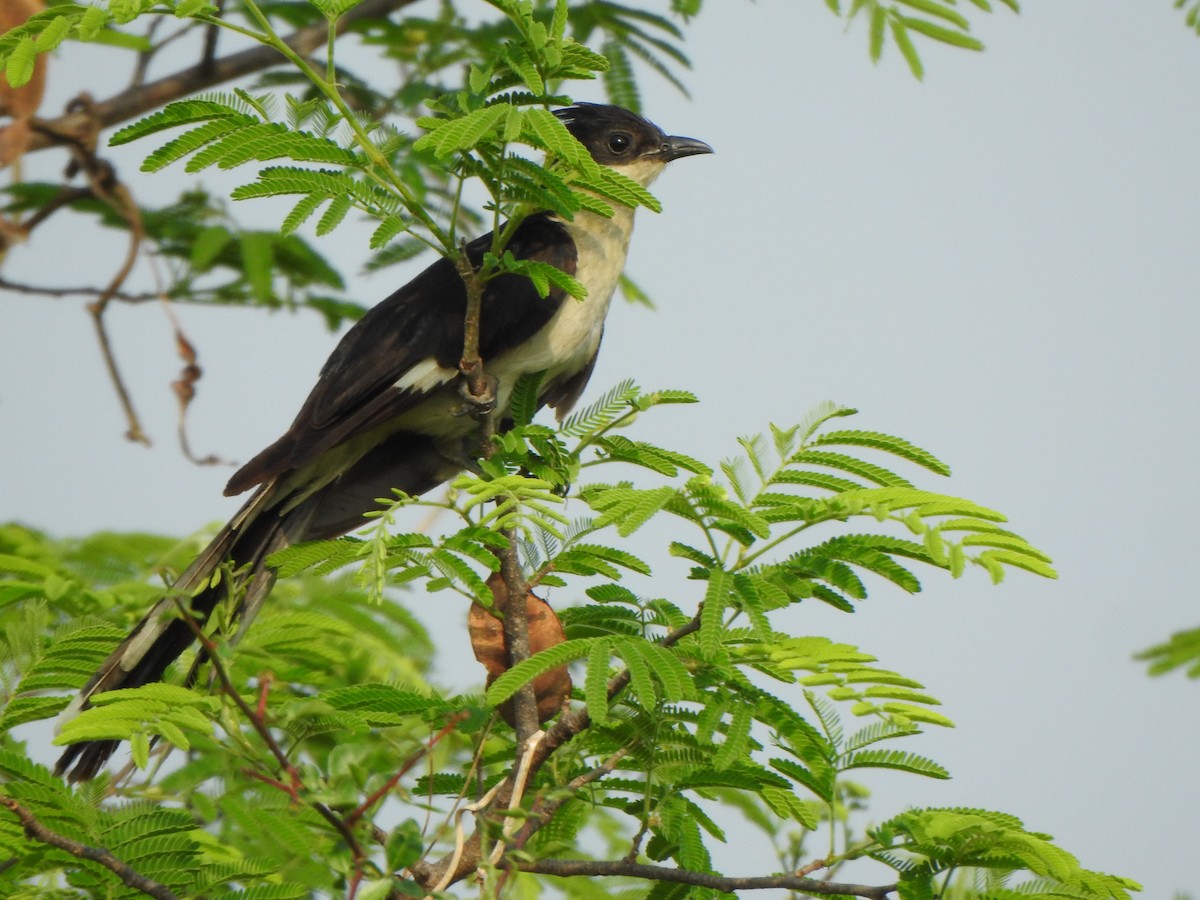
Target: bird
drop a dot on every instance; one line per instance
(387, 409)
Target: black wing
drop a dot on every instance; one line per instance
(421, 323)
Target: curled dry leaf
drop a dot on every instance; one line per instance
(487, 640)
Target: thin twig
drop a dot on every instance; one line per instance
(383, 791)
(621, 868)
(518, 792)
(65, 197)
(211, 36)
(104, 186)
(260, 726)
(138, 78)
(19, 288)
(35, 830)
(813, 866)
(544, 811)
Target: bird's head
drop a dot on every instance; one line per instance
(616, 137)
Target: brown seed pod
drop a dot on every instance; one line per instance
(20, 103)
(487, 640)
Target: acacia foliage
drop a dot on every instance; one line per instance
(727, 710)
(699, 701)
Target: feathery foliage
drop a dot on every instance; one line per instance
(673, 688)
(316, 756)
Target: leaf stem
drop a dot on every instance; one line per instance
(329, 89)
(129, 876)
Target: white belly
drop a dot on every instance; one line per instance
(562, 347)
(572, 336)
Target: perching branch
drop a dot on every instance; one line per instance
(621, 868)
(35, 830)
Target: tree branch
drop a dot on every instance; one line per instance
(620, 868)
(465, 860)
(516, 639)
(135, 100)
(35, 830)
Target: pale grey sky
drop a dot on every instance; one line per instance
(997, 264)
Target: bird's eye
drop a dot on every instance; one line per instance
(619, 142)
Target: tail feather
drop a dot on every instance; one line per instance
(162, 636)
(276, 517)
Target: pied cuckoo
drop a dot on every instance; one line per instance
(387, 411)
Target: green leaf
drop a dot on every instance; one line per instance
(184, 112)
(941, 10)
(1183, 649)
(671, 674)
(618, 448)
(301, 212)
(448, 136)
(596, 686)
(625, 507)
(878, 23)
(850, 464)
(938, 33)
(712, 613)
(207, 245)
(887, 443)
(335, 214)
(92, 23)
(787, 804)
(525, 671)
(404, 845)
(53, 34)
(895, 759)
(737, 739)
(18, 68)
(374, 697)
(906, 47)
(187, 8)
(640, 679)
(993, 560)
(257, 260)
(917, 714)
(387, 229)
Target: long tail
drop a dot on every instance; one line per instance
(270, 521)
(257, 531)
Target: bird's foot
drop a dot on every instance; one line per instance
(479, 394)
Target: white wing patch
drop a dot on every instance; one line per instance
(425, 376)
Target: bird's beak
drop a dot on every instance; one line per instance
(678, 147)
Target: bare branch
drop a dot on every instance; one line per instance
(35, 830)
(104, 185)
(18, 288)
(620, 868)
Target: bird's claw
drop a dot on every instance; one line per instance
(479, 395)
